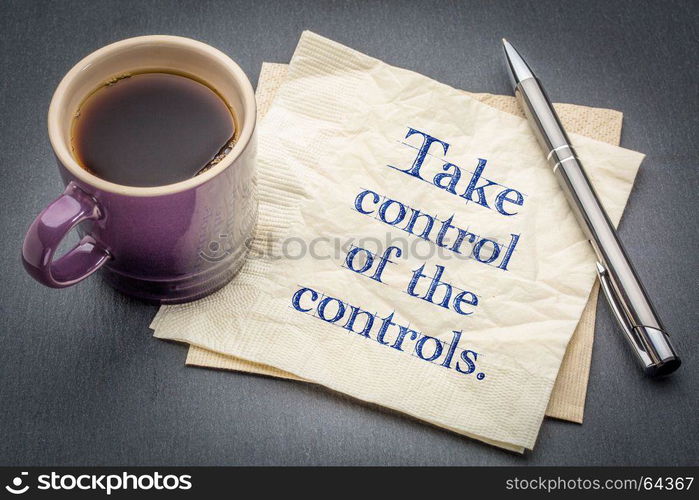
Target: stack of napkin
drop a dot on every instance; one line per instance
(413, 249)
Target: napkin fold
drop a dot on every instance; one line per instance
(337, 135)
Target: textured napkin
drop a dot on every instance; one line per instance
(568, 396)
(340, 158)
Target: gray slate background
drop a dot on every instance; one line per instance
(83, 382)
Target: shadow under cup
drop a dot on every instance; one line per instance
(166, 244)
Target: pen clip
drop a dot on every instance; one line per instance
(651, 345)
(619, 312)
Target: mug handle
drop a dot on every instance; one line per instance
(50, 227)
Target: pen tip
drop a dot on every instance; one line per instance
(518, 69)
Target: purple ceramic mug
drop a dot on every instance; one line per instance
(166, 244)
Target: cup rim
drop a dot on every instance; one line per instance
(62, 152)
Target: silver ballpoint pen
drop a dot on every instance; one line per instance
(626, 296)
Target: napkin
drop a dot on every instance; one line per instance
(567, 400)
(360, 165)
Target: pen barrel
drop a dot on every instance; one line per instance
(627, 296)
(622, 287)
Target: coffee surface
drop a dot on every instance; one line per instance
(151, 129)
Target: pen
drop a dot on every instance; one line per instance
(627, 298)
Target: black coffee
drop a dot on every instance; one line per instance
(152, 129)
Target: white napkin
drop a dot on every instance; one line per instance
(337, 146)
